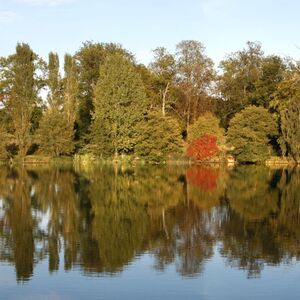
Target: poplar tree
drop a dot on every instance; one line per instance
(56, 131)
(23, 95)
(120, 106)
(70, 89)
(54, 81)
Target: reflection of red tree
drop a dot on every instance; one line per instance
(204, 177)
(203, 148)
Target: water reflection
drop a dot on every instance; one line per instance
(101, 220)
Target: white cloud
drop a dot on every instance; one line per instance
(45, 2)
(7, 16)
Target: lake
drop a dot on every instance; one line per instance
(151, 232)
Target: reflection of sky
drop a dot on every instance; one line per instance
(2, 208)
(141, 281)
(42, 218)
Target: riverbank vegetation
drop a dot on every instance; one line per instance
(103, 104)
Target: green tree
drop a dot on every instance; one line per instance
(194, 77)
(54, 81)
(248, 78)
(120, 106)
(21, 90)
(164, 66)
(159, 138)
(150, 81)
(56, 130)
(70, 89)
(290, 128)
(250, 132)
(273, 70)
(55, 135)
(236, 84)
(286, 106)
(4, 139)
(89, 58)
(206, 124)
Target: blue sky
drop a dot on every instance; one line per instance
(140, 26)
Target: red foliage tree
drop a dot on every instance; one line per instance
(203, 148)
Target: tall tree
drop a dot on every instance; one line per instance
(70, 89)
(285, 105)
(56, 130)
(120, 105)
(194, 76)
(22, 94)
(290, 128)
(54, 81)
(165, 68)
(89, 58)
(248, 77)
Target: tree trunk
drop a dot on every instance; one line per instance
(164, 99)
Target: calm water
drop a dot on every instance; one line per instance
(150, 233)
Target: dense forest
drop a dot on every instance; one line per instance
(101, 103)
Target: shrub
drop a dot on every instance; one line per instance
(203, 148)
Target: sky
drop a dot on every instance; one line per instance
(223, 26)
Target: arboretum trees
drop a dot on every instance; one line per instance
(105, 103)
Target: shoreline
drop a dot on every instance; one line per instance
(88, 161)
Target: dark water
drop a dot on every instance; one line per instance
(150, 233)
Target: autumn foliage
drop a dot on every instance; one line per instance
(203, 148)
(203, 177)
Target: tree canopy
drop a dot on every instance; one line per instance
(103, 102)
(250, 132)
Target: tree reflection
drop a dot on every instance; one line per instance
(17, 223)
(258, 231)
(102, 219)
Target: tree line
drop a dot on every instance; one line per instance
(103, 103)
